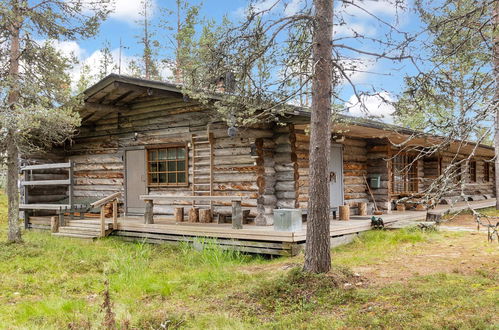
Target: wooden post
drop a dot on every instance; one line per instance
(178, 212)
(148, 215)
(362, 208)
(344, 212)
(26, 215)
(54, 224)
(61, 219)
(205, 216)
(115, 214)
(237, 215)
(102, 222)
(194, 214)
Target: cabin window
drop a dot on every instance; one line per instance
(486, 172)
(472, 170)
(167, 166)
(404, 174)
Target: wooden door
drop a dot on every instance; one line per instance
(135, 181)
(336, 175)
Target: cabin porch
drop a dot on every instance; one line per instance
(251, 238)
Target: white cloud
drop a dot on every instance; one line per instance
(357, 70)
(293, 7)
(287, 7)
(68, 48)
(366, 8)
(353, 29)
(129, 10)
(123, 10)
(379, 106)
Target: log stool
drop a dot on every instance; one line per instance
(194, 214)
(205, 216)
(362, 208)
(344, 212)
(178, 212)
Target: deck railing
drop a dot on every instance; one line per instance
(101, 203)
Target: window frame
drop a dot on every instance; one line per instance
(472, 171)
(486, 171)
(184, 146)
(406, 175)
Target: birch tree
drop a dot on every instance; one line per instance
(37, 108)
(253, 58)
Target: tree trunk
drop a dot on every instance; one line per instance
(496, 99)
(14, 232)
(317, 253)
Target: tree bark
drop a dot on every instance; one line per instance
(317, 253)
(14, 232)
(496, 99)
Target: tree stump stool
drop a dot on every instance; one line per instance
(194, 214)
(178, 212)
(362, 208)
(344, 212)
(205, 216)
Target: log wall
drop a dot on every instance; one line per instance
(98, 153)
(378, 164)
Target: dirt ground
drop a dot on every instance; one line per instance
(461, 220)
(464, 253)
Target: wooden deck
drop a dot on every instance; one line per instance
(253, 239)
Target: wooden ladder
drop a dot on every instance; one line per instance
(202, 168)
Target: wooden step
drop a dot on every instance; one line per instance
(83, 231)
(74, 235)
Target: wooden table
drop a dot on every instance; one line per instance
(237, 212)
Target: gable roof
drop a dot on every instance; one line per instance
(114, 92)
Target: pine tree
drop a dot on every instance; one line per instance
(107, 63)
(263, 62)
(147, 67)
(37, 109)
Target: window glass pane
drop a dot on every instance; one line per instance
(172, 166)
(172, 153)
(162, 154)
(181, 166)
(181, 153)
(153, 167)
(167, 165)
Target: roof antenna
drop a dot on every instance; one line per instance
(119, 57)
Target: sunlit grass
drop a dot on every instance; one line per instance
(54, 282)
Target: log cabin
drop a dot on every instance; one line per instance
(140, 137)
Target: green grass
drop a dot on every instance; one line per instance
(52, 283)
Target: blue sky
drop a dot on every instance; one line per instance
(382, 77)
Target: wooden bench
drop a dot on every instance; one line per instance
(237, 212)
